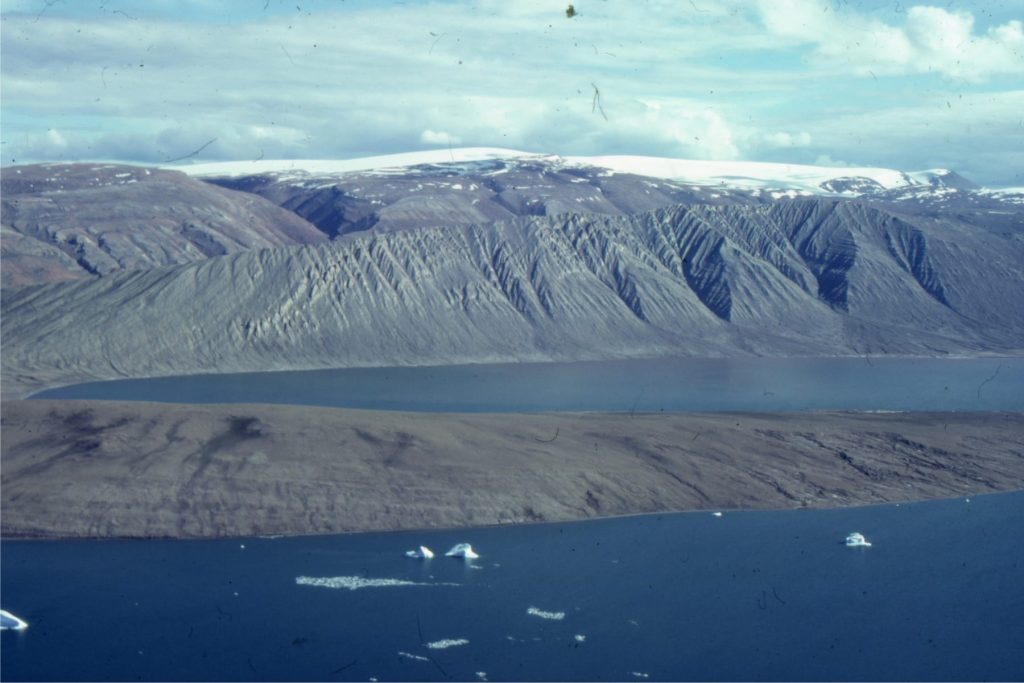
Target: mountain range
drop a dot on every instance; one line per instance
(115, 271)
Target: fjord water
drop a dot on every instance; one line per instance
(691, 384)
(745, 596)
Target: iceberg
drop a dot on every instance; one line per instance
(857, 540)
(423, 553)
(9, 622)
(462, 550)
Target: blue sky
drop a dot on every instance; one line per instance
(802, 81)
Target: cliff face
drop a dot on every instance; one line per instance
(815, 276)
(74, 221)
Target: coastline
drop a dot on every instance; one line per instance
(95, 469)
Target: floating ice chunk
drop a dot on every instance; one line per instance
(424, 553)
(462, 550)
(9, 622)
(580, 638)
(356, 582)
(409, 655)
(482, 675)
(639, 674)
(556, 616)
(446, 643)
(857, 540)
(717, 514)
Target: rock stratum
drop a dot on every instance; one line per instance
(805, 276)
(107, 469)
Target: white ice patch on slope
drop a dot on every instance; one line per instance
(356, 582)
(750, 175)
(333, 166)
(743, 174)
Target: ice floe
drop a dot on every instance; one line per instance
(462, 550)
(580, 638)
(423, 553)
(446, 643)
(482, 675)
(716, 514)
(555, 616)
(409, 655)
(9, 622)
(857, 540)
(356, 582)
(639, 674)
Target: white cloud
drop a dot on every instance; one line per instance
(827, 160)
(699, 80)
(785, 140)
(931, 39)
(434, 137)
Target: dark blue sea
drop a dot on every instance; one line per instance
(689, 384)
(745, 596)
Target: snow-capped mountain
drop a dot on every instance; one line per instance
(484, 255)
(474, 185)
(733, 175)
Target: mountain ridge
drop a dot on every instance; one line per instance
(798, 277)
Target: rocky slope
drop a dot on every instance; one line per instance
(103, 469)
(805, 276)
(444, 194)
(73, 221)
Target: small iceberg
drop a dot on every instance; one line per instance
(446, 643)
(462, 550)
(9, 622)
(857, 540)
(555, 616)
(717, 514)
(424, 553)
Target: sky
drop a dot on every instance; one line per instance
(832, 82)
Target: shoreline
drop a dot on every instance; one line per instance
(97, 469)
(19, 388)
(469, 529)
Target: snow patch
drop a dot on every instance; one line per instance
(332, 166)
(743, 174)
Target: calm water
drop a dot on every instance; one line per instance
(756, 384)
(750, 596)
